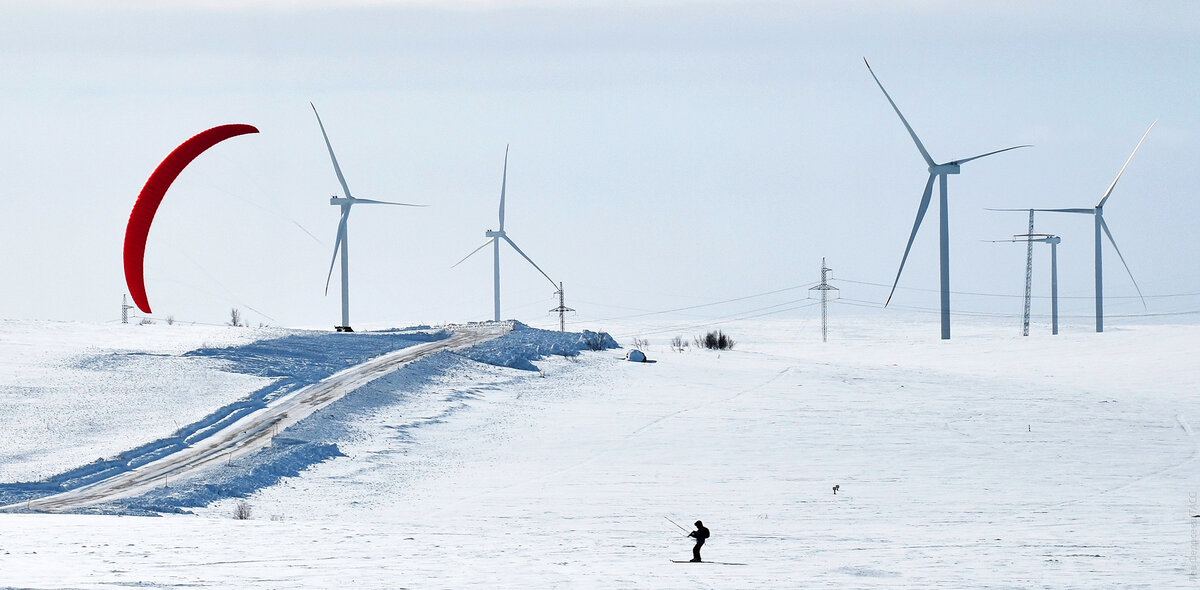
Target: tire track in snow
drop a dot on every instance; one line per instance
(623, 441)
(253, 431)
(1179, 419)
(675, 414)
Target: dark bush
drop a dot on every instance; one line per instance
(715, 340)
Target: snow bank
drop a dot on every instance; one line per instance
(283, 363)
(524, 345)
(72, 392)
(316, 438)
(286, 363)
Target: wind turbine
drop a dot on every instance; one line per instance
(342, 242)
(939, 172)
(1054, 241)
(1097, 214)
(494, 238)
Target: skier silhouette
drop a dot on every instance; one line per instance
(700, 534)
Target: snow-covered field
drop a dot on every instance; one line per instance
(59, 382)
(990, 460)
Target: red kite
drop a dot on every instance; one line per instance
(152, 194)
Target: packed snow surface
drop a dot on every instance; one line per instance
(987, 461)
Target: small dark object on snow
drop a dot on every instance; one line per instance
(836, 488)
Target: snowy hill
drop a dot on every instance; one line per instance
(987, 461)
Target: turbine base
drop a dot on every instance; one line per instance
(343, 328)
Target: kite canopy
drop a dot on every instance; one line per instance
(152, 194)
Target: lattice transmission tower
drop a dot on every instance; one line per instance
(125, 307)
(562, 309)
(825, 291)
(1028, 274)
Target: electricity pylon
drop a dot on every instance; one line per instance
(562, 309)
(824, 289)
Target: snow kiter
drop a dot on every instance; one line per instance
(152, 194)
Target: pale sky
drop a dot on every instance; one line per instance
(663, 154)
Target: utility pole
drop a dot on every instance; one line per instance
(824, 289)
(1028, 273)
(562, 309)
(125, 307)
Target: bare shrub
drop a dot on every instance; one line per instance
(241, 511)
(715, 340)
(641, 343)
(678, 344)
(146, 322)
(235, 317)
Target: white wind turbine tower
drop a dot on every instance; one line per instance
(342, 242)
(936, 171)
(494, 238)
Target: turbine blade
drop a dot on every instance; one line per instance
(503, 184)
(473, 252)
(1028, 209)
(964, 161)
(336, 168)
(920, 146)
(341, 235)
(374, 202)
(523, 255)
(1114, 245)
(917, 225)
(1108, 192)
(1022, 240)
(1069, 210)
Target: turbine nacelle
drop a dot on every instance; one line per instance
(950, 168)
(1040, 238)
(494, 234)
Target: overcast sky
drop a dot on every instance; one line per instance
(664, 154)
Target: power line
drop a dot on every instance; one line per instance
(877, 305)
(650, 313)
(732, 319)
(1010, 296)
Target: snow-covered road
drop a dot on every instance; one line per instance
(253, 431)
